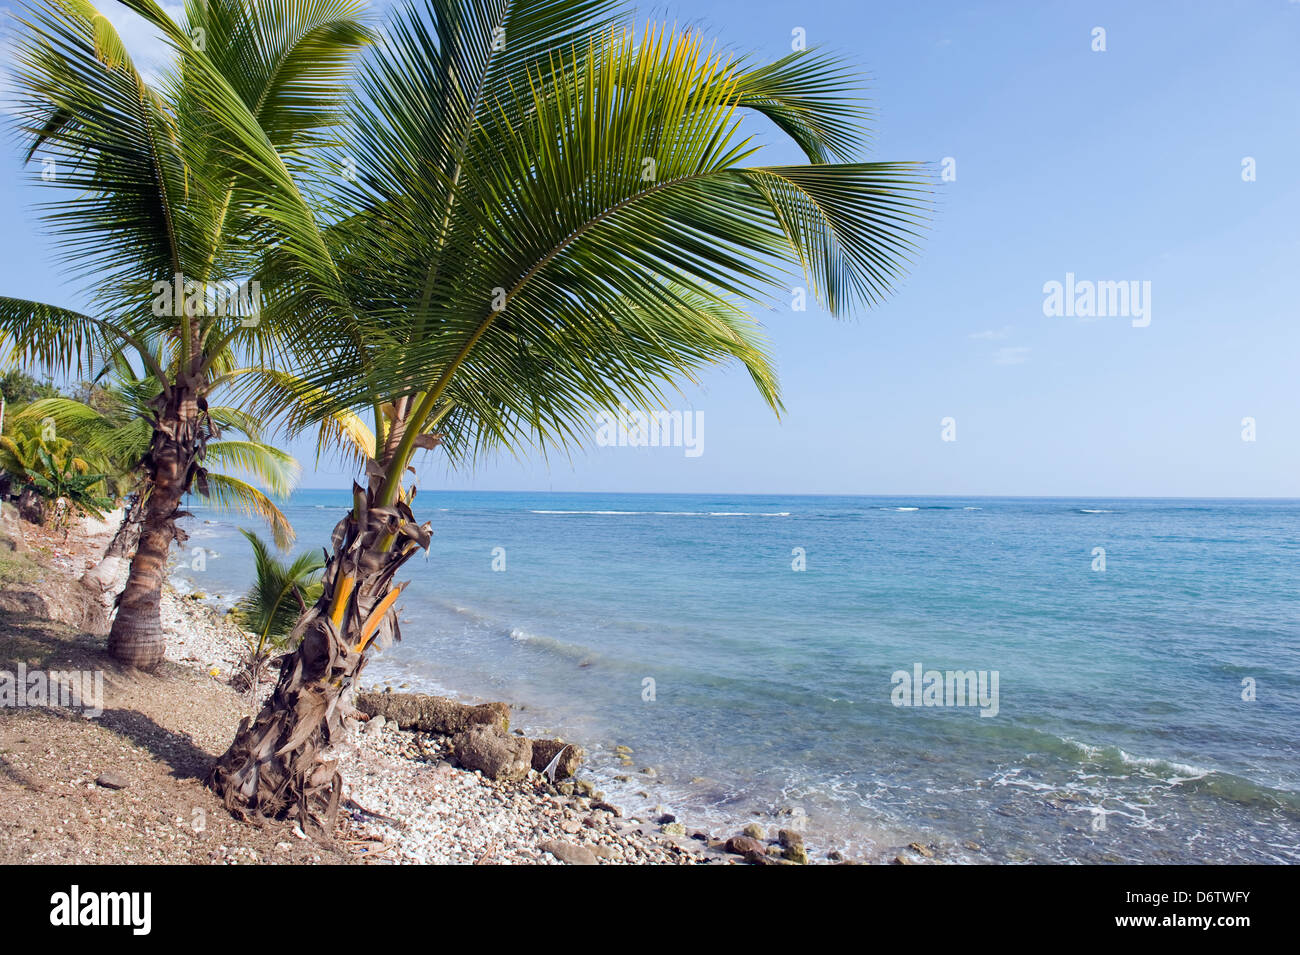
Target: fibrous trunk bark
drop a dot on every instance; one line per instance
(128, 534)
(136, 638)
(279, 765)
(103, 577)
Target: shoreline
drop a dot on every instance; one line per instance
(703, 804)
(651, 800)
(422, 808)
(406, 801)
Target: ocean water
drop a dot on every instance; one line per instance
(1145, 712)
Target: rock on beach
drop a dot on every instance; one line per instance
(494, 753)
(432, 714)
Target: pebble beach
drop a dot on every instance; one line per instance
(410, 803)
(129, 782)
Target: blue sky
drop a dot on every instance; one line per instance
(1122, 165)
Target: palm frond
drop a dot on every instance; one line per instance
(231, 494)
(279, 592)
(278, 470)
(59, 340)
(610, 246)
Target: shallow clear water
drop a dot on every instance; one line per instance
(1121, 731)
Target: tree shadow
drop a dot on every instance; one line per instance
(187, 759)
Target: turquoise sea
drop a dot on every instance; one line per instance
(1145, 712)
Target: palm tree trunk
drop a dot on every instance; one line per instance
(136, 638)
(128, 534)
(279, 765)
(102, 578)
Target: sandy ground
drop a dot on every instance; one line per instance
(158, 735)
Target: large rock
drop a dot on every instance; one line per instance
(432, 714)
(50, 602)
(568, 852)
(792, 846)
(494, 753)
(744, 845)
(545, 750)
(111, 780)
(11, 529)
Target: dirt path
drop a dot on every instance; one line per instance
(158, 733)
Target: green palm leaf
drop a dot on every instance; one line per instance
(231, 494)
(604, 234)
(280, 592)
(278, 470)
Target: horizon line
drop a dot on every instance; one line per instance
(1044, 497)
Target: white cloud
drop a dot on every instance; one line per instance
(1012, 355)
(993, 334)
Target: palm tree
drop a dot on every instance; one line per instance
(117, 429)
(280, 594)
(161, 203)
(548, 217)
(113, 424)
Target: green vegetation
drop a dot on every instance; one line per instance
(282, 593)
(16, 568)
(18, 388)
(44, 467)
(111, 419)
(159, 207)
(66, 489)
(519, 215)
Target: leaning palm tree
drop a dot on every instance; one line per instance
(547, 217)
(161, 190)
